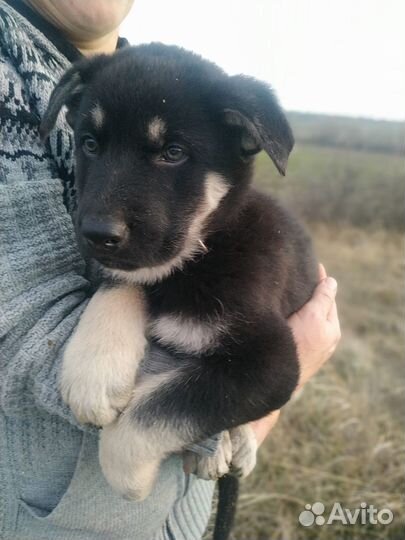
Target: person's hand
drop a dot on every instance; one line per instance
(316, 332)
(316, 327)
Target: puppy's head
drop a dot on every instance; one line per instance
(164, 141)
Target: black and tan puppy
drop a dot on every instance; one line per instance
(193, 258)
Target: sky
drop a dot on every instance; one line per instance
(344, 57)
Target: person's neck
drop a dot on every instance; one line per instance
(87, 45)
(105, 44)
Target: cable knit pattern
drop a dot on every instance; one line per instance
(51, 486)
(42, 290)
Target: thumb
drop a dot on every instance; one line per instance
(324, 295)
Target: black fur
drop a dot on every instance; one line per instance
(257, 272)
(258, 267)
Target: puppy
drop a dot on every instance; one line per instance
(192, 258)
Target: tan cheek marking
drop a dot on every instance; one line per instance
(216, 188)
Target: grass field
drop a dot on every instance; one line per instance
(342, 440)
(340, 186)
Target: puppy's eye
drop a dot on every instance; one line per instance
(173, 154)
(89, 145)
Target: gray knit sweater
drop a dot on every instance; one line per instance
(51, 486)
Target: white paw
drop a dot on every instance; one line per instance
(211, 467)
(236, 455)
(102, 357)
(95, 393)
(244, 449)
(127, 466)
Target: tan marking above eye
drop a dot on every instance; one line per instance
(98, 115)
(156, 130)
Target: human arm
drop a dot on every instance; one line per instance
(43, 290)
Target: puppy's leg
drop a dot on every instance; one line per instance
(236, 454)
(210, 467)
(132, 448)
(101, 359)
(244, 449)
(131, 455)
(251, 376)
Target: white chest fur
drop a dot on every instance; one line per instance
(185, 334)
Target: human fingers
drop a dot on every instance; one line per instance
(333, 319)
(323, 297)
(332, 316)
(322, 272)
(263, 426)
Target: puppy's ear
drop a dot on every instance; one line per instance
(69, 86)
(69, 91)
(251, 105)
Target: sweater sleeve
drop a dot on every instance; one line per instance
(43, 290)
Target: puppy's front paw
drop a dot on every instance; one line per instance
(210, 467)
(102, 357)
(95, 393)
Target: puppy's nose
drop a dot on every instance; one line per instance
(104, 234)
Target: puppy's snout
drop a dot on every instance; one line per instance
(104, 234)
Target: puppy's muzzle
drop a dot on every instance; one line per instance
(104, 235)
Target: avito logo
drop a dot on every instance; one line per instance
(365, 514)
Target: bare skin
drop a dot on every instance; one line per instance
(91, 25)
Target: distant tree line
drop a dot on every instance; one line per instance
(337, 185)
(350, 133)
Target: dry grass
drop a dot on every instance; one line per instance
(340, 186)
(343, 438)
